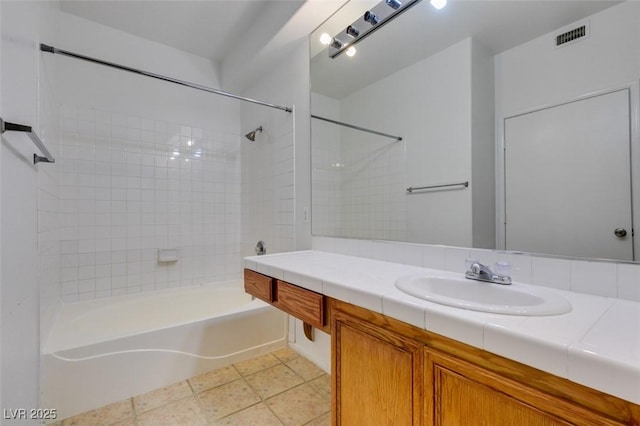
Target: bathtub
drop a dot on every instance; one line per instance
(106, 350)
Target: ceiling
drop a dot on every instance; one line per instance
(204, 28)
(242, 37)
(424, 31)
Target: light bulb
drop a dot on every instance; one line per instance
(438, 4)
(350, 51)
(326, 39)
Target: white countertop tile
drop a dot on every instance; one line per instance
(532, 350)
(597, 344)
(403, 307)
(461, 326)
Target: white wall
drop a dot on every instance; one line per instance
(285, 169)
(282, 165)
(482, 147)
(428, 104)
(537, 74)
(125, 192)
(28, 197)
(327, 168)
(439, 107)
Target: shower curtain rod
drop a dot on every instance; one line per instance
(352, 126)
(55, 50)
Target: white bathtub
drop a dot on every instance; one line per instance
(103, 351)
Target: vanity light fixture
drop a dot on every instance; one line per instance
(393, 4)
(337, 44)
(370, 21)
(438, 4)
(352, 31)
(370, 17)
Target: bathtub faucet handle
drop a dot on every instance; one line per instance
(261, 248)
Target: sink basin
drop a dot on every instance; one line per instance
(459, 292)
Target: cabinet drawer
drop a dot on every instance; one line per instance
(303, 304)
(258, 285)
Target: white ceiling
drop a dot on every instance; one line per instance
(424, 31)
(243, 37)
(204, 28)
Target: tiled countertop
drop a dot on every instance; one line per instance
(597, 344)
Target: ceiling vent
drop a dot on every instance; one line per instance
(573, 35)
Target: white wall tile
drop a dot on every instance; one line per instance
(130, 204)
(629, 282)
(609, 279)
(549, 272)
(598, 278)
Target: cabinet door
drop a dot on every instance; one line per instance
(464, 402)
(463, 394)
(377, 376)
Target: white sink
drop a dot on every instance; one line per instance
(460, 292)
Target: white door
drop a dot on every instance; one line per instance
(568, 179)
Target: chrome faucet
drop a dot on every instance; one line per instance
(479, 272)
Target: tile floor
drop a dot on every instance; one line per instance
(279, 388)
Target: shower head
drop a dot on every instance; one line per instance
(252, 135)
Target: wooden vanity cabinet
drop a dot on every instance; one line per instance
(258, 285)
(306, 305)
(377, 375)
(385, 372)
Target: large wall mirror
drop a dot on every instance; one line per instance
(490, 124)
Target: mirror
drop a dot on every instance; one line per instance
(409, 140)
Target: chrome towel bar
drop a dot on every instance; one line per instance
(5, 126)
(419, 188)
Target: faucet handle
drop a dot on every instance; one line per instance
(502, 268)
(469, 262)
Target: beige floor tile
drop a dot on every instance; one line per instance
(185, 412)
(299, 405)
(324, 420)
(256, 415)
(214, 378)
(286, 354)
(128, 422)
(227, 399)
(322, 385)
(106, 415)
(305, 368)
(160, 397)
(274, 380)
(254, 365)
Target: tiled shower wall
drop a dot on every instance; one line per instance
(131, 185)
(358, 178)
(373, 177)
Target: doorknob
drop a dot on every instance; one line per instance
(620, 232)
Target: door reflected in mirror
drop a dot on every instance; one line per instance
(513, 97)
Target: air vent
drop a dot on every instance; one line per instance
(572, 35)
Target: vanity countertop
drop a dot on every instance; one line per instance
(597, 344)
